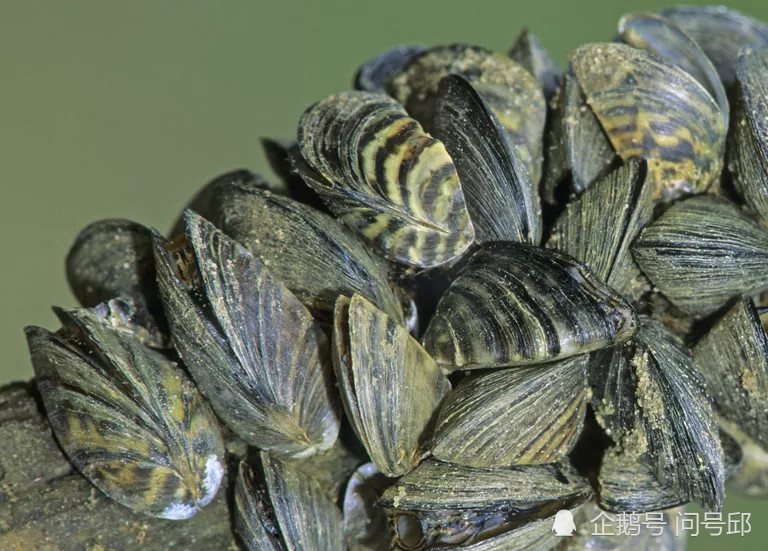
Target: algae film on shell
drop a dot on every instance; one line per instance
(482, 290)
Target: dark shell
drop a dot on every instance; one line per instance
(528, 52)
(515, 304)
(389, 385)
(279, 153)
(528, 415)
(289, 511)
(317, 258)
(366, 527)
(651, 109)
(751, 478)
(702, 252)
(375, 74)
(599, 227)
(659, 35)
(439, 505)
(511, 91)
(383, 176)
(114, 258)
(127, 417)
(501, 198)
(748, 140)
(652, 401)
(721, 32)
(253, 349)
(733, 357)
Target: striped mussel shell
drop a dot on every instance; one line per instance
(514, 304)
(366, 526)
(702, 252)
(527, 415)
(282, 508)
(661, 36)
(253, 349)
(501, 197)
(721, 33)
(652, 401)
(383, 176)
(390, 387)
(748, 139)
(599, 227)
(511, 91)
(529, 52)
(440, 506)
(113, 258)
(733, 357)
(315, 256)
(125, 415)
(655, 110)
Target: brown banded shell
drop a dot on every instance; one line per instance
(733, 357)
(702, 252)
(389, 385)
(366, 527)
(515, 304)
(655, 33)
(317, 258)
(501, 198)
(721, 32)
(528, 52)
(652, 401)
(527, 415)
(748, 139)
(510, 90)
(383, 176)
(440, 506)
(579, 151)
(289, 511)
(126, 416)
(113, 258)
(599, 227)
(648, 108)
(253, 349)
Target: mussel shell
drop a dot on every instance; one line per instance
(528, 415)
(652, 401)
(389, 385)
(317, 258)
(751, 478)
(253, 349)
(748, 140)
(204, 201)
(579, 152)
(733, 357)
(113, 258)
(278, 154)
(511, 91)
(366, 527)
(439, 505)
(126, 416)
(376, 73)
(501, 198)
(626, 485)
(383, 176)
(721, 32)
(290, 512)
(655, 110)
(514, 304)
(655, 33)
(528, 52)
(599, 227)
(702, 252)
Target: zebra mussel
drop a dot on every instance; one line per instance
(483, 292)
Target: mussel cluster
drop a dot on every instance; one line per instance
(482, 292)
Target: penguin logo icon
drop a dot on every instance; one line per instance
(563, 524)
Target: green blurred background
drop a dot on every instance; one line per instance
(124, 109)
